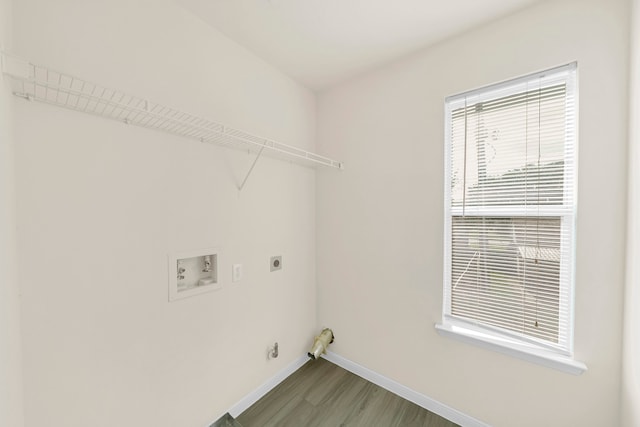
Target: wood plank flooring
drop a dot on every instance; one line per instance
(321, 394)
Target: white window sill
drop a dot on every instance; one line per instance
(511, 347)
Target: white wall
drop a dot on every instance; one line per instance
(380, 233)
(11, 414)
(630, 398)
(101, 205)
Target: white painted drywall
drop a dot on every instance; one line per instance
(11, 413)
(630, 399)
(101, 205)
(380, 232)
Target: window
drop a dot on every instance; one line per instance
(510, 204)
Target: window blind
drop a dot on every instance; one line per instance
(510, 207)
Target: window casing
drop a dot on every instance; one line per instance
(510, 206)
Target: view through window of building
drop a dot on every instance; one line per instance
(510, 208)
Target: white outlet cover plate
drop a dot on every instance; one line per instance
(236, 275)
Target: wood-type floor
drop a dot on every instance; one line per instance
(321, 394)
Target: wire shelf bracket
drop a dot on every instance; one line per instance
(39, 83)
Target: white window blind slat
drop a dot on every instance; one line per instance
(510, 207)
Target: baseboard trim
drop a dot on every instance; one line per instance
(255, 395)
(405, 392)
(388, 384)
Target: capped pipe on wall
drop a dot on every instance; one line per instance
(321, 343)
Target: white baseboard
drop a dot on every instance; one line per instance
(265, 388)
(405, 392)
(369, 375)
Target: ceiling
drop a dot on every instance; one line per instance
(320, 43)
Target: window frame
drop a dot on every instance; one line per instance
(528, 348)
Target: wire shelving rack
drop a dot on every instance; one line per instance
(40, 83)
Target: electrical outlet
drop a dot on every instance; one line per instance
(276, 263)
(236, 273)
